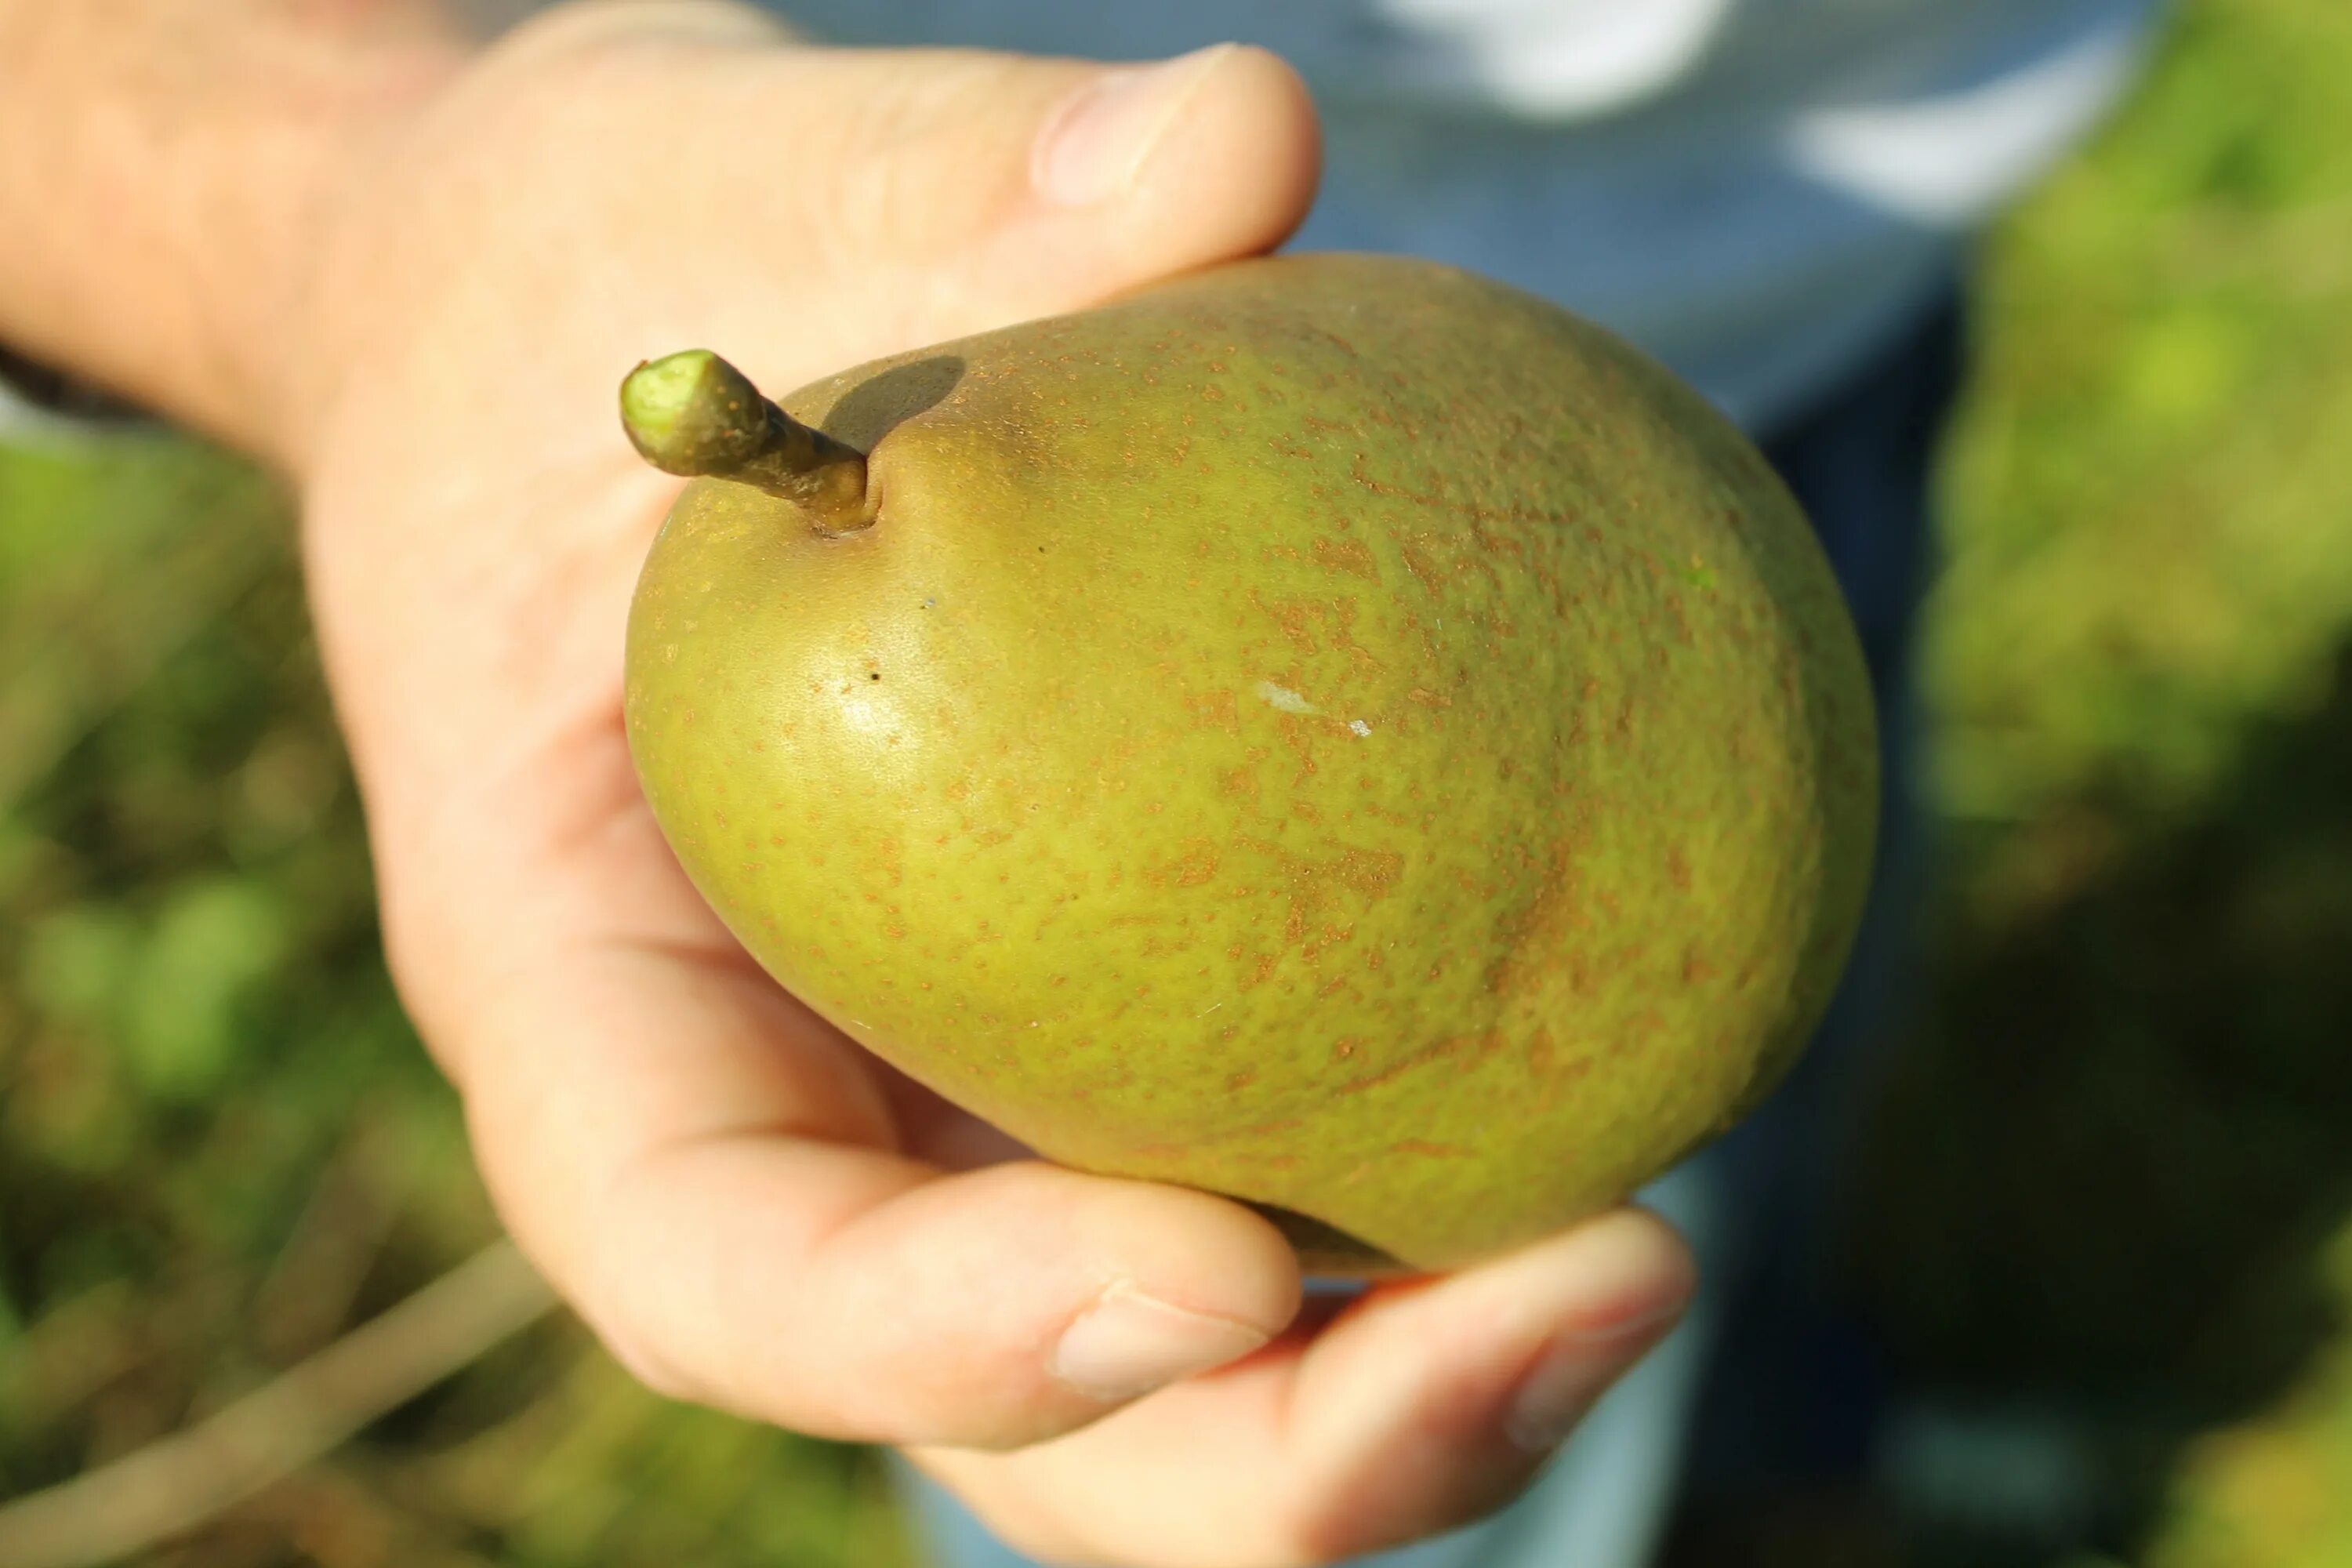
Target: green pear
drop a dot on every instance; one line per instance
(1332, 731)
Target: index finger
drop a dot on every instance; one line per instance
(714, 1176)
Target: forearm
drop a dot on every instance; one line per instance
(166, 166)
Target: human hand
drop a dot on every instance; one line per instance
(750, 1210)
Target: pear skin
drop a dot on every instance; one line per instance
(1331, 731)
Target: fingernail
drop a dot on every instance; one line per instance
(1566, 1381)
(1631, 1283)
(1128, 1344)
(1096, 145)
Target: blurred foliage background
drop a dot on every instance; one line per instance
(2106, 1218)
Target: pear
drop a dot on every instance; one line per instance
(1331, 731)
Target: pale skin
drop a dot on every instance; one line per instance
(408, 271)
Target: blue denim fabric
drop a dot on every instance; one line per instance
(1762, 1383)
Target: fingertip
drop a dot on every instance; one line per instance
(1628, 1277)
(1008, 1306)
(1275, 121)
(1626, 1269)
(1160, 169)
(1432, 1402)
(1237, 172)
(1129, 1342)
(1193, 1251)
(1621, 1269)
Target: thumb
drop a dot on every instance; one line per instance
(689, 172)
(931, 192)
(1001, 186)
(1143, 172)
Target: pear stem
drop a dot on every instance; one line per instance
(693, 413)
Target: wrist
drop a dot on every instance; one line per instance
(180, 160)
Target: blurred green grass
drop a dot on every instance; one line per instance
(2114, 1172)
(2112, 1175)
